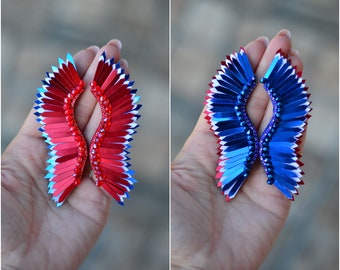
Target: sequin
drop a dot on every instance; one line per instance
(239, 145)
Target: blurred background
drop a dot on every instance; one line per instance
(34, 34)
(203, 32)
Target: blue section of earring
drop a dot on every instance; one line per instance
(226, 109)
(279, 142)
(239, 145)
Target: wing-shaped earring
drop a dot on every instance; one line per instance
(226, 112)
(279, 150)
(239, 145)
(67, 146)
(108, 149)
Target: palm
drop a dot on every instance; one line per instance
(219, 231)
(36, 234)
(207, 232)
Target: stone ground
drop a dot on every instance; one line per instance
(36, 32)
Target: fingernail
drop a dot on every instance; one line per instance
(116, 42)
(296, 53)
(284, 32)
(124, 63)
(264, 40)
(93, 48)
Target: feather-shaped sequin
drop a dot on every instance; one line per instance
(55, 112)
(67, 146)
(239, 145)
(226, 112)
(279, 143)
(109, 146)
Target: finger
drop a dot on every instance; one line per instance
(259, 99)
(112, 50)
(296, 62)
(202, 139)
(124, 63)
(30, 126)
(82, 60)
(86, 63)
(255, 50)
(87, 102)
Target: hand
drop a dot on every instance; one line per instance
(206, 231)
(35, 233)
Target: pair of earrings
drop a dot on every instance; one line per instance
(239, 144)
(67, 146)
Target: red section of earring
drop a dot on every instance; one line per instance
(69, 103)
(55, 112)
(67, 146)
(100, 133)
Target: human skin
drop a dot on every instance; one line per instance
(206, 231)
(35, 233)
